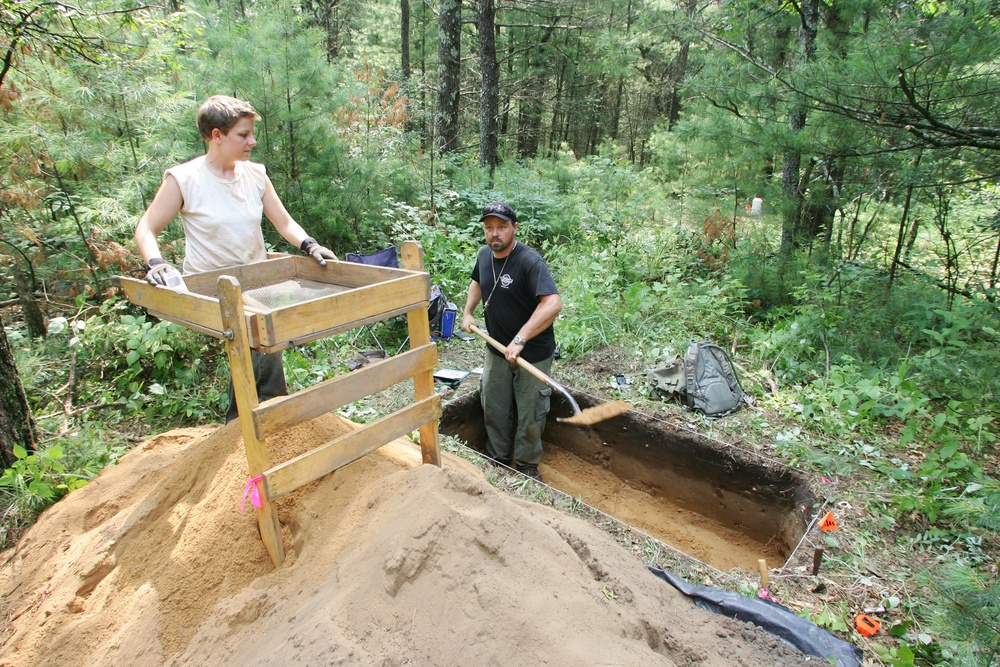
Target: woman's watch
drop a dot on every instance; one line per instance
(519, 341)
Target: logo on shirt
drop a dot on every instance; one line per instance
(506, 280)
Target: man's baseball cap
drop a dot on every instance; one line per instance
(499, 209)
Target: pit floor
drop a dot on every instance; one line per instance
(695, 534)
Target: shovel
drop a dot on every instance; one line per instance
(580, 417)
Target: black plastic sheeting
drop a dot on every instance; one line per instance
(770, 616)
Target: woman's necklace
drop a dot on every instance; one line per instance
(493, 266)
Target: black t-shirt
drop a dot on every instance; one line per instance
(511, 287)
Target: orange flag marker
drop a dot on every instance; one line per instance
(828, 522)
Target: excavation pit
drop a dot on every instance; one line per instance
(718, 503)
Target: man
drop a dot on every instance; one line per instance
(520, 303)
(220, 197)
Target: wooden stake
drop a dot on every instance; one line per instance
(817, 560)
(762, 566)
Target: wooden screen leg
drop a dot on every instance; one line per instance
(245, 389)
(420, 334)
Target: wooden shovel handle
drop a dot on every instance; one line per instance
(520, 362)
(542, 377)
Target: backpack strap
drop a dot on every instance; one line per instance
(690, 374)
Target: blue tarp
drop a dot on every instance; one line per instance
(771, 616)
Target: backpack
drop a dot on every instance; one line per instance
(667, 376)
(704, 378)
(711, 384)
(435, 309)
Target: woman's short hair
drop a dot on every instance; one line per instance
(222, 112)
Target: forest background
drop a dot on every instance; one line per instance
(630, 135)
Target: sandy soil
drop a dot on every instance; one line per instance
(705, 539)
(389, 563)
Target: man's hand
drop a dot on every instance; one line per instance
(318, 252)
(514, 350)
(467, 322)
(157, 270)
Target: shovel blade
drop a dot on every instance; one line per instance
(598, 413)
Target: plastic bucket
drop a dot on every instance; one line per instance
(448, 322)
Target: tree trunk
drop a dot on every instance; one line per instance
(835, 176)
(558, 120)
(449, 71)
(529, 121)
(900, 237)
(326, 15)
(568, 78)
(911, 239)
(678, 69)
(531, 106)
(404, 61)
(489, 100)
(942, 198)
(30, 311)
(507, 101)
(792, 205)
(792, 209)
(16, 425)
(292, 151)
(993, 268)
(426, 124)
(617, 99)
(404, 41)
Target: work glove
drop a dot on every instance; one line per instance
(157, 271)
(318, 252)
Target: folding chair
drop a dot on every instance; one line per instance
(388, 258)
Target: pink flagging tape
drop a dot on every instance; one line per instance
(254, 492)
(764, 595)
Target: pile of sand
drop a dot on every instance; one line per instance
(389, 562)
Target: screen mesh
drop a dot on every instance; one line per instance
(289, 293)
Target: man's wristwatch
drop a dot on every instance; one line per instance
(519, 341)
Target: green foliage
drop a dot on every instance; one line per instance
(832, 618)
(596, 202)
(274, 60)
(852, 389)
(37, 479)
(916, 648)
(450, 239)
(77, 142)
(856, 375)
(310, 364)
(969, 598)
(897, 656)
(123, 363)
